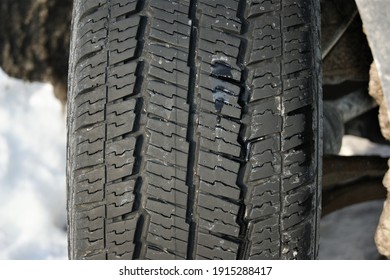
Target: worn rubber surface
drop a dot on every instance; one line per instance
(194, 129)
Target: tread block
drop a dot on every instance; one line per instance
(89, 146)
(264, 236)
(215, 248)
(120, 158)
(119, 55)
(121, 81)
(92, 144)
(259, 7)
(219, 134)
(91, 114)
(181, 29)
(167, 214)
(90, 233)
(123, 7)
(266, 118)
(87, 50)
(217, 225)
(297, 93)
(264, 158)
(218, 215)
(172, 17)
(299, 201)
(298, 178)
(295, 13)
(89, 6)
(89, 185)
(214, 84)
(170, 190)
(176, 39)
(83, 101)
(120, 198)
(221, 105)
(173, 239)
(99, 256)
(168, 90)
(266, 82)
(213, 168)
(221, 22)
(297, 40)
(166, 128)
(122, 76)
(174, 157)
(219, 43)
(165, 171)
(220, 14)
(223, 127)
(174, 8)
(119, 238)
(123, 39)
(167, 226)
(296, 63)
(267, 41)
(296, 239)
(92, 23)
(174, 142)
(120, 118)
(220, 189)
(154, 254)
(263, 198)
(294, 131)
(175, 77)
(91, 68)
(221, 146)
(171, 108)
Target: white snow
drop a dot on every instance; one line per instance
(353, 145)
(32, 171)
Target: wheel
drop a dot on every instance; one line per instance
(194, 129)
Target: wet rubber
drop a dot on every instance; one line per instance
(194, 129)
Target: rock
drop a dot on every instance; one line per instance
(375, 90)
(382, 236)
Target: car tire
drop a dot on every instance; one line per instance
(194, 129)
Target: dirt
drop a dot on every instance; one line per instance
(34, 41)
(382, 236)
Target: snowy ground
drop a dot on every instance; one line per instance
(32, 172)
(32, 182)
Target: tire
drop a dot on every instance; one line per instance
(194, 129)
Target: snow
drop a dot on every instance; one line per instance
(32, 172)
(32, 182)
(353, 145)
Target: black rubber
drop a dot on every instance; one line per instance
(194, 129)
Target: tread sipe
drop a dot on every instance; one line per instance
(194, 129)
